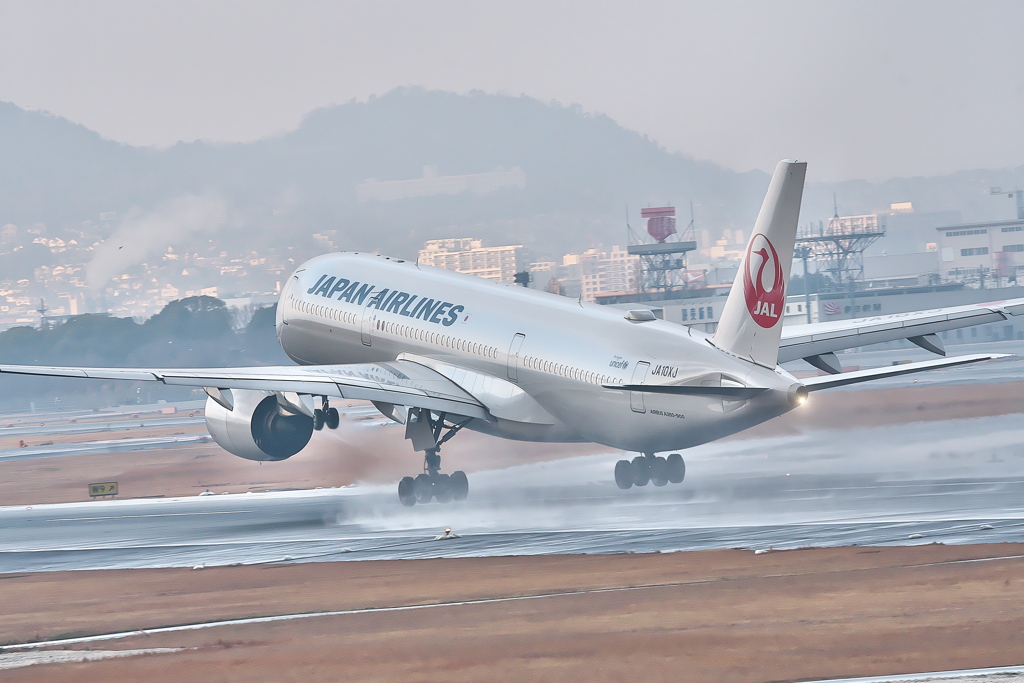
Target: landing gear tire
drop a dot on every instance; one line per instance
(424, 488)
(432, 484)
(659, 471)
(407, 491)
(318, 419)
(459, 484)
(641, 470)
(332, 419)
(624, 474)
(650, 469)
(676, 468)
(443, 488)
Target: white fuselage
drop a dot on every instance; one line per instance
(359, 308)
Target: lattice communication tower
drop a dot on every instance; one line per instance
(839, 247)
(663, 262)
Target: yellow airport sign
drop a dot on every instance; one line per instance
(106, 488)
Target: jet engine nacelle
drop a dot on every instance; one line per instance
(257, 427)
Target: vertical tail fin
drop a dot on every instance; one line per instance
(751, 322)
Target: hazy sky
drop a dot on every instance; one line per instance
(859, 89)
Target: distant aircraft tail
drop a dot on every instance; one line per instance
(751, 322)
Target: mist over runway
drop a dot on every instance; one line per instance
(959, 481)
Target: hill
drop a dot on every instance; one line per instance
(582, 171)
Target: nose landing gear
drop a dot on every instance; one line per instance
(649, 468)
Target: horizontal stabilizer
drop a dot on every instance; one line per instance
(738, 393)
(842, 379)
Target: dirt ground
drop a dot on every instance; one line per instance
(381, 454)
(723, 615)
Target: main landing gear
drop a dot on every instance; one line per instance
(423, 428)
(326, 416)
(649, 468)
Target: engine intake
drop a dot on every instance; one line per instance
(257, 427)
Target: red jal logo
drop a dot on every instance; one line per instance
(764, 286)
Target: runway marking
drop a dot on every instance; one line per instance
(162, 514)
(459, 603)
(980, 559)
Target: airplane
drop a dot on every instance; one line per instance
(439, 351)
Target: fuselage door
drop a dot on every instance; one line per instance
(369, 319)
(513, 356)
(636, 398)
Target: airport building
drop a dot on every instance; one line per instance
(469, 256)
(982, 252)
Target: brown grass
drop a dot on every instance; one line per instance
(718, 616)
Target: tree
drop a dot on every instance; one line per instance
(195, 317)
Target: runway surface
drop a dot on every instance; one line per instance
(959, 481)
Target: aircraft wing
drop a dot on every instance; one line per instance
(858, 376)
(816, 339)
(398, 382)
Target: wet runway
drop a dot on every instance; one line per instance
(958, 481)
(953, 482)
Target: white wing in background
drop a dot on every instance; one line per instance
(817, 339)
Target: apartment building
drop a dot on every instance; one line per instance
(469, 256)
(597, 272)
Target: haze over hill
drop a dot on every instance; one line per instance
(581, 171)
